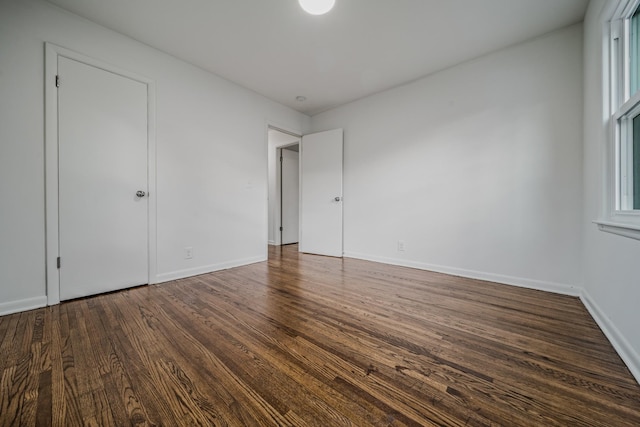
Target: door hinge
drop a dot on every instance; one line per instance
(58, 263)
(281, 228)
(280, 159)
(617, 27)
(57, 81)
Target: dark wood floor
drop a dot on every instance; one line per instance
(306, 340)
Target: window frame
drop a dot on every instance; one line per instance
(623, 107)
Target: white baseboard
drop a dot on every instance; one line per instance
(272, 242)
(22, 305)
(626, 352)
(558, 288)
(181, 274)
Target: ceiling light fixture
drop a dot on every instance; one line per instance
(317, 7)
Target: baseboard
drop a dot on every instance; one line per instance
(272, 242)
(22, 305)
(626, 352)
(181, 274)
(558, 288)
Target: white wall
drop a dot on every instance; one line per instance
(611, 266)
(211, 152)
(477, 168)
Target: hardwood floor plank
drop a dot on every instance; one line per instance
(135, 351)
(10, 347)
(57, 392)
(123, 401)
(169, 332)
(274, 348)
(302, 340)
(235, 375)
(266, 350)
(453, 365)
(314, 335)
(44, 414)
(70, 405)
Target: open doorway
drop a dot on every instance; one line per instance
(289, 194)
(284, 193)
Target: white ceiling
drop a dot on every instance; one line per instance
(359, 48)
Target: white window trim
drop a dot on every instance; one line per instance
(614, 220)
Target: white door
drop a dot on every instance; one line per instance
(321, 193)
(103, 228)
(290, 196)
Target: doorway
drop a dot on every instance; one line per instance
(289, 194)
(320, 166)
(100, 175)
(283, 211)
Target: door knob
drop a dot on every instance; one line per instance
(337, 198)
(140, 193)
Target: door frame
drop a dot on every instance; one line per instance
(277, 214)
(52, 52)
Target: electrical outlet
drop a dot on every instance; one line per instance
(401, 245)
(188, 252)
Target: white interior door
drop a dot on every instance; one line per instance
(290, 196)
(103, 224)
(321, 193)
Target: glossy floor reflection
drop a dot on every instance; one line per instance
(307, 340)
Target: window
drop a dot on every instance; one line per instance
(627, 158)
(629, 118)
(622, 210)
